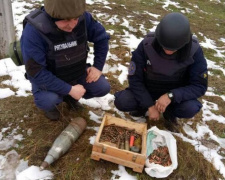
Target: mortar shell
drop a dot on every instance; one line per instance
(64, 141)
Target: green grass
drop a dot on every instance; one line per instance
(217, 128)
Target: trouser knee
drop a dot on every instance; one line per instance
(119, 104)
(96, 89)
(188, 109)
(47, 100)
(103, 90)
(125, 101)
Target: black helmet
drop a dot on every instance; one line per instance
(173, 31)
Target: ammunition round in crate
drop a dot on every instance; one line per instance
(122, 145)
(135, 149)
(131, 140)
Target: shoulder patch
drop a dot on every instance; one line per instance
(204, 78)
(204, 75)
(132, 68)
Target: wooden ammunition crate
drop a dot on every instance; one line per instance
(126, 158)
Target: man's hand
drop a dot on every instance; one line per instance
(77, 91)
(162, 103)
(153, 113)
(93, 74)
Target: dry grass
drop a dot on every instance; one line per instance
(76, 164)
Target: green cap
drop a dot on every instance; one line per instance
(65, 9)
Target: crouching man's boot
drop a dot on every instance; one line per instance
(53, 114)
(138, 113)
(171, 122)
(72, 103)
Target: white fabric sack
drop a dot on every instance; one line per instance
(163, 138)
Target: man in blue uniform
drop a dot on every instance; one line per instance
(54, 48)
(167, 73)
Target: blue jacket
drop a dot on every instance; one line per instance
(197, 79)
(35, 47)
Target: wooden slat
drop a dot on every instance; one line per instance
(100, 129)
(119, 153)
(144, 140)
(136, 167)
(139, 127)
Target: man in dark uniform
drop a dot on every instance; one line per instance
(54, 48)
(167, 73)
